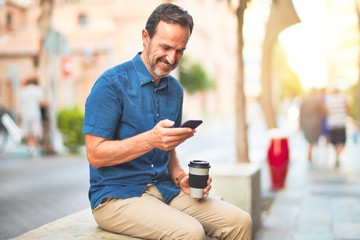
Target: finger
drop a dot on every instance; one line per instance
(207, 189)
(173, 141)
(181, 132)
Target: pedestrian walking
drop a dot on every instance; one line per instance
(31, 99)
(131, 126)
(312, 112)
(337, 113)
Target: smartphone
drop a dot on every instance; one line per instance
(192, 123)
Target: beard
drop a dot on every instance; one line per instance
(162, 68)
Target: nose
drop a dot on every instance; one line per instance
(171, 57)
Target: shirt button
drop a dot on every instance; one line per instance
(152, 165)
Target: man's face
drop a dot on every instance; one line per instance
(163, 52)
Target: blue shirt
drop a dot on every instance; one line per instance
(124, 102)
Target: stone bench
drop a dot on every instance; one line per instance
(79, 226)
(238, 184)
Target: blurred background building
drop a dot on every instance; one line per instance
(88, 36)
(85, 37)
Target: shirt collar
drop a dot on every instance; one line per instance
(143, 74)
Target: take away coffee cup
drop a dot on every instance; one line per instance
(198, 176)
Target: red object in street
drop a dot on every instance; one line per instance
(278, 160)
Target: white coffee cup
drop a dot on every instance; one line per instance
(198, 177)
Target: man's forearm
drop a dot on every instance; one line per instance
(103, 152)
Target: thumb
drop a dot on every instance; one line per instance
(166, 123)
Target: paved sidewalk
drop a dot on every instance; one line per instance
(319, 202)
(35, 191)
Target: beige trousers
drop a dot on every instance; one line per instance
(148, 217)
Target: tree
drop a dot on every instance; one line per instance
(46, 8)
(282, 15)
(70, 122)
(46, 11)
(49, 44)
(193, 76)
(357, 87)
(242, 148)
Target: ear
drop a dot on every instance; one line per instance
(145, 37)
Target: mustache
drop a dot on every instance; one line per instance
(163, 59)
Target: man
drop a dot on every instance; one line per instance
(337, 113)
(31, 100)
(132, 114)
(312, 111)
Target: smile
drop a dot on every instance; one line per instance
(165, 64)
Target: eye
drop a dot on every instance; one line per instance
(166, 48)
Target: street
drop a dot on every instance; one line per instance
(35, 191)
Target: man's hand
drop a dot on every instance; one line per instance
(185, 186)
(165, 137)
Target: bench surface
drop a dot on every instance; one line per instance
(80, 226)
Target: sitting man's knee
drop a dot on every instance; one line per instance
(247, 220)
(195, 232)
(243, 224)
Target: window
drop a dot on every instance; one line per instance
(9, 21)
(82, 19)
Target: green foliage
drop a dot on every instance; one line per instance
(193, 76)
(290, 84)
(70, 122)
